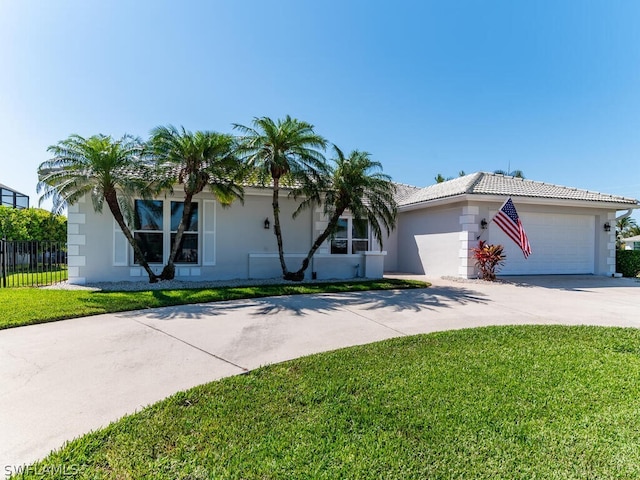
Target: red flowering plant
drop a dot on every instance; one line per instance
(489, 259)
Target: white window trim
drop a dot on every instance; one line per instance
(350, 239)
(119, 248)
(166, 235)
(208, 236)
(165, 253)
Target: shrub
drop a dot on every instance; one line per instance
(32, 224)
(628, 262)
(489, 259)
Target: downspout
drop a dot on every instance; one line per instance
(625, 215)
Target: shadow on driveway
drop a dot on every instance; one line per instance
(573, 283)
(415, 300)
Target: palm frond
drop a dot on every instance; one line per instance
(360, 187)
(196, 160)
(88, 166)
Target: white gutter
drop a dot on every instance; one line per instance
(625, 215)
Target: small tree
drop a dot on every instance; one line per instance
(107, 170)
(489, 259)
(197, 161)
(282, 150)
(356, 184)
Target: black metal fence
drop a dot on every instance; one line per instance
(32, 264)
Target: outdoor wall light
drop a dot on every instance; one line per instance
(483, 224)
(607, 227)
(267, 224)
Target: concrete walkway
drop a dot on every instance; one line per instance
(60, 380)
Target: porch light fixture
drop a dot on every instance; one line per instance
(267, 224)
(607, 227)
(483, 224)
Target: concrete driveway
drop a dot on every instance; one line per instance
(63, 379)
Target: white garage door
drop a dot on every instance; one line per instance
(560, 244)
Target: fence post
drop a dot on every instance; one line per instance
(3, 261)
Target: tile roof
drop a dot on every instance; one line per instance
(483, 183)
(403, 192)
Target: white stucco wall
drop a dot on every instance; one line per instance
(436, 240)
(238, 231)
(429, 241)
(390, 245)
(233, 243)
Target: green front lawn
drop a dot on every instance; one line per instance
(28, 279)
(25, 306)
(521, 402)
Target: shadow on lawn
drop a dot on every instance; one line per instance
(416, 300)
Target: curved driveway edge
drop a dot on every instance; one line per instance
(63, 379)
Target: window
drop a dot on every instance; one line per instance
(340, 241)
(352, 236)
(11, 198)
(155, 222)
(188, 250)
(359, 236)
(148, 225)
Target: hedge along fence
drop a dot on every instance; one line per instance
(628, 262)
(32, 224)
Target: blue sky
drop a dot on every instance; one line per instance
(548, 87)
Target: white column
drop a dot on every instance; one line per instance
(76, 241)
(469, 228)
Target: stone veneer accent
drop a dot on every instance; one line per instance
(469, 228)
(76, 241)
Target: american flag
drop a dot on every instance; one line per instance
(508, 220)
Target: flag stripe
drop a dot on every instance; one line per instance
(507, 219)
(508, 228)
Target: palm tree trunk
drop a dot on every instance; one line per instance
(169, 270)
(299, 275)
(114, 206)
(276, 226)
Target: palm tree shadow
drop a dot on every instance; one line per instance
(416, 300)
(192, 311)
(433, 298)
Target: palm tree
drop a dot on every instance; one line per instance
(108, 170)
(358, 185)
(197, 161)
(282, 150)
(625, 226)
(514, 173)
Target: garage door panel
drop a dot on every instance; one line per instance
(560, 244)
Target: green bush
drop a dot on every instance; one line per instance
(489, 259)
(628, 262)
(32, 224)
